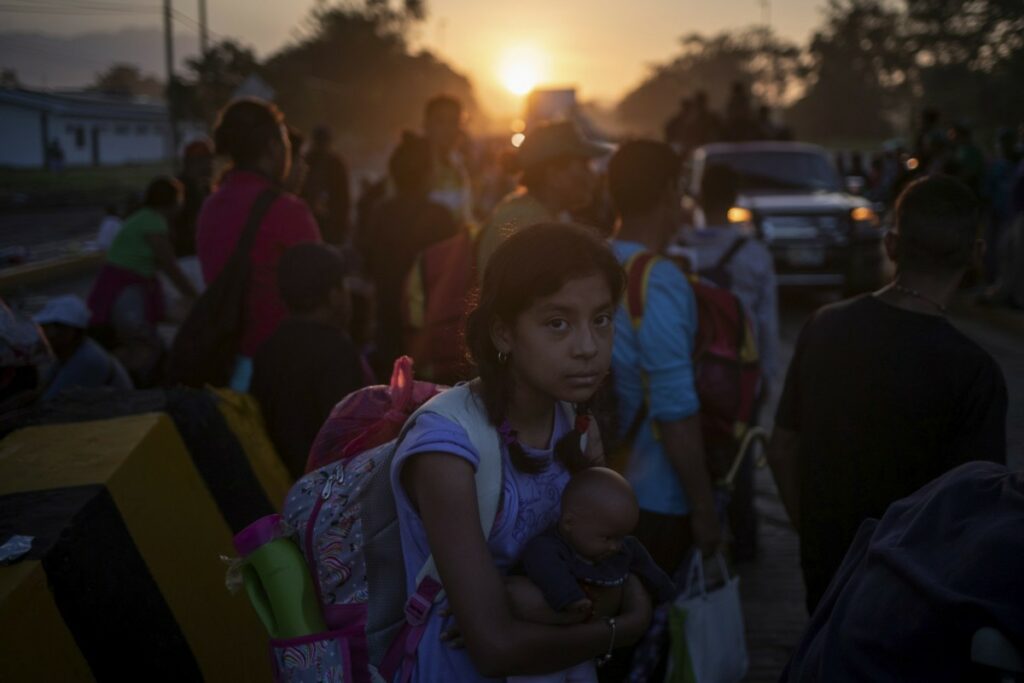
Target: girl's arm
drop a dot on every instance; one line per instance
(442, 488)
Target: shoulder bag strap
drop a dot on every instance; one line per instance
(257, 212)
(733, 249)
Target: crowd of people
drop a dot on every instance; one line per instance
(996, 176)
(696, 124)
(883, 396)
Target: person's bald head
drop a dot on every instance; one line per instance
(599, 508)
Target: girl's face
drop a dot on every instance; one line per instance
(561, 346)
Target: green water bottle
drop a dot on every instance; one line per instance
(278, 581)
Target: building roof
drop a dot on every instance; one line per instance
(85, 104)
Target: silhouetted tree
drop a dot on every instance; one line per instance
(861, 72)
(757, 57)
(126, 80)
(213, 78)
(355, 72)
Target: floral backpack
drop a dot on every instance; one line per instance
(345, 521)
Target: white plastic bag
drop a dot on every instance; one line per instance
(708, 644)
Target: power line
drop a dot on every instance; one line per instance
(185, 19)
(74, 10)
(87, 4)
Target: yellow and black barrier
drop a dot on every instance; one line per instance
(129, 517)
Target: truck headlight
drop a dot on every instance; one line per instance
(865, 216)
(738, 214)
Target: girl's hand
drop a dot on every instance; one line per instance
(635, 618)
(452, 637)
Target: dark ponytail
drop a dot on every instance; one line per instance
(534, 262)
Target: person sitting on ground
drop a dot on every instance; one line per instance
(883, 393)
(127, 300)
(541, 337)
(919, 583)
(24, 357)
(556, 179)
(309, 363)
(253, 135)
(81, 362)
(401, 228)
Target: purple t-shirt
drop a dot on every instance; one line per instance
(530, 503)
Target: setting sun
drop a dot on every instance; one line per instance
(521, 69)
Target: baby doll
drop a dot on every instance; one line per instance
(582, 562)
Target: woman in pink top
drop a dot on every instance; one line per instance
(252, 134)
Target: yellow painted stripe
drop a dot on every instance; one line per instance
(242, 414)
(171, 517)
(35, 645)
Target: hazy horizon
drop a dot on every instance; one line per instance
(601, 47)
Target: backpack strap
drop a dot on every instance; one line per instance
(733, 249)
(461, 405)
(464, 407)
(638, 276)
(638, 268)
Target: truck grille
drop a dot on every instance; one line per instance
(799, 227)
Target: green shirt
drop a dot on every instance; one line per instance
(130, 249)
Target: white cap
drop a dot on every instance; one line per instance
(64, 310)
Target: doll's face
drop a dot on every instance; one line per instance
(595, 531)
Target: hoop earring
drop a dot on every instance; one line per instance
(503, 357)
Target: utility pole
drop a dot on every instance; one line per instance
(204, 42)
(169, 54)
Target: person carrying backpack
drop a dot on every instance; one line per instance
(740, 263)
(685, 372)
(734, 260)
(476, 473)
(653, 364)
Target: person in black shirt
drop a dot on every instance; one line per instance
(399, 230)
(309, 363)
(883, 394)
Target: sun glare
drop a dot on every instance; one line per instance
(521, 69)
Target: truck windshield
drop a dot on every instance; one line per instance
(774, 171)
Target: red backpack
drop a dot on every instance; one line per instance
(727, 369)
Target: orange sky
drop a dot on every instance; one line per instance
(602, 47)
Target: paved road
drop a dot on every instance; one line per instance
(771, 588)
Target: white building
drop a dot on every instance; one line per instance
(90, 129)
